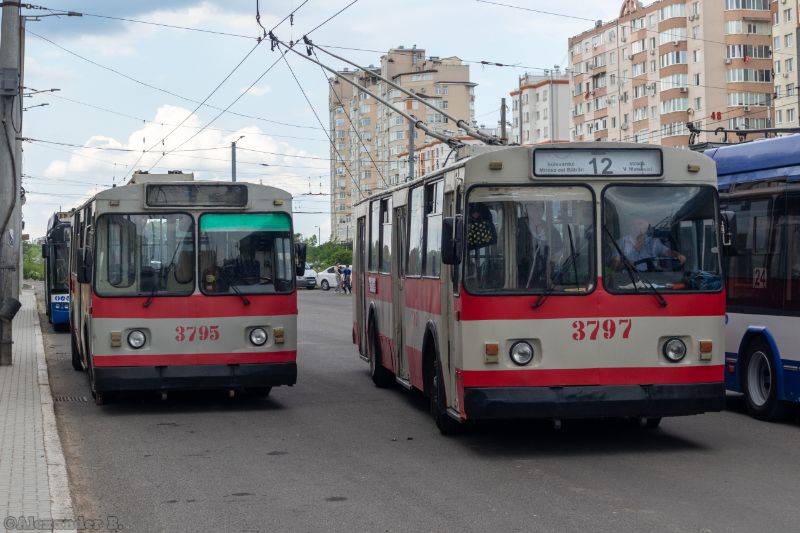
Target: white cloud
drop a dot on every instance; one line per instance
(256, 90)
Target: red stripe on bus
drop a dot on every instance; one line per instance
(415, 367)
(423, 294)
(598, 304)
(195, 306)
(194, 359)
(383, 287)
(593, 376)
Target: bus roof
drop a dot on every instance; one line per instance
(770, 159)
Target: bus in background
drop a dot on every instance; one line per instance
(568, 281)
(759, 184)
(178, 284)
(55, 252)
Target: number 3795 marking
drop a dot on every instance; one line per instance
(196, 333)
(608, 329)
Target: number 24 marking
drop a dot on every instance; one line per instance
(591, 328)
(202, 333)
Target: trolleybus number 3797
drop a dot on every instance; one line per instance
(609, 327)
(192, 333)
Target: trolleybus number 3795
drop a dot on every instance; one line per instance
(192, 333)
(610, 329)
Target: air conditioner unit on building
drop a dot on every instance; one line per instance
(727, 60)
(675, 43)
(746, 108)
(623, 126)
(653, 52)
(623, 39)
(630, 56)
(684, 89)
(691, 17)
(785, 74)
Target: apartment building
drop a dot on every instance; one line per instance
(540, 108)
(645, 75)
(370, 139)
(784, 46)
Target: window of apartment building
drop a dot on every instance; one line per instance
(777, 66)
(652, 43)
(442, 90)
(675, 104)
(698, 104)
(613, 122)
(739, 27)
(612, 79)
(339, 122)
(640, 113)
(735, 75)
(612, 58)
(779, 116)
(339, 109)
(526, 118)
(748, 50)
(790, 115)
(788, 40)
(641, 136)
(397, 121)
(776, 42)
(654, 112)
(696, 79)
(778, 89)
(673, 10)
(638, 46)
(673, 35)
(363, 96)
(750, 99)
(776, 18)
(787, 15)
(678, 57)
(364, 108)
(365, 121)
(790, 89)
(697, 56)
(762, 5)
(538, 115)
(639, 68)
(398, 135)
(639, 91)
(652, 65)
(789, 64)
(674, 81)
(546, 134)
(544, 96)
(527, 135)
(340, 134)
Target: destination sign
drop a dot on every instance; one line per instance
(610, 162)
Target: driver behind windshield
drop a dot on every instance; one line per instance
(642, 249)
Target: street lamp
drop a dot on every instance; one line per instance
(319, 235)
(233, 157)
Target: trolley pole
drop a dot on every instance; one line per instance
(10, 245)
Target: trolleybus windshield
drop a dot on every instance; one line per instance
(661, 236)
(530, 239)
(246, 253)
(150, 254)
(59, 260)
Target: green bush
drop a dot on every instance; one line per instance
(32, 262)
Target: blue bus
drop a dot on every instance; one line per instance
(759, 186)
(55, 251)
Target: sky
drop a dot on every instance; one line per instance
(129, 93)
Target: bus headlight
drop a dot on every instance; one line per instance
(674, 350)
(136, 339)
(258, 336)
(521, 353)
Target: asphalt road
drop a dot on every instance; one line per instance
(334, 453)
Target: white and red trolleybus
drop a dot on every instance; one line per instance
(178, 284)
(566, 281)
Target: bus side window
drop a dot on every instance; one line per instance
(416, 222)
(374, 235)
(792, 251)
(433, 229)
(386, 236)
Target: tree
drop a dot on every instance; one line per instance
(32, 262)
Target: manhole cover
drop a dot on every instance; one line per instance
(69, 398)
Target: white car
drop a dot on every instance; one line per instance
(307, 280)
(326, 278)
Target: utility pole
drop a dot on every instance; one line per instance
(503, 132)
(233, 161)
(520, 110)
(410, 151)
(10, 245)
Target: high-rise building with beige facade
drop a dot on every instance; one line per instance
(643, 76)
(540, 109)
(784, 46)
(370, 139)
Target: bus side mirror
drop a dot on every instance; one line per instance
(727, 221)
(45, 251)
(300, 258)
(85, 263)
(452, 231)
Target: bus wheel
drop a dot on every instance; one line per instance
(76, 356)
(446, 425)
(761, 383)
(380, 376)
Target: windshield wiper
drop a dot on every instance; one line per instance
(633, 273)
(233, 286)
(571, 259)
(156, 287)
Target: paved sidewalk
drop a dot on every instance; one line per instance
(33, 476)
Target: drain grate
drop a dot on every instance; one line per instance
(63, 356)
(69, 398)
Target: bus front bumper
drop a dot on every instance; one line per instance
(193, 377)
(597, 401)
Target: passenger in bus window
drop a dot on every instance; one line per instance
(480, 230)
(540, 247)
(642, 249)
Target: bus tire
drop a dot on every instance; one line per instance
(445, 423)
(761, 383)
(77, 364)
(381, 377)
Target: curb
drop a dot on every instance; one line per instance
(60, 499)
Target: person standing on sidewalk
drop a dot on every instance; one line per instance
(348, 286)
(338, 270)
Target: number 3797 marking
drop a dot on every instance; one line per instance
(609, 329)
(196, 333)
